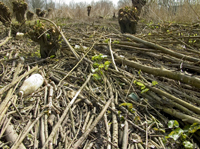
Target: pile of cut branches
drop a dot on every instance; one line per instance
(104, 89)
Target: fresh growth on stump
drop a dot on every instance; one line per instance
(129, 16)
(48, 38)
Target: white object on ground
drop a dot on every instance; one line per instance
(31, 84)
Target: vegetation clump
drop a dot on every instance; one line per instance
(19, 9)
(5, 16)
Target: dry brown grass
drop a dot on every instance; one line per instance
(183, 13)
(79, 10)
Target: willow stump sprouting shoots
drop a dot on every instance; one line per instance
(89, 10)
(129, 16)
(29, 15)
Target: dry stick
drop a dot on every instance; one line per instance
(111, 53)
(114, 117)
(5, 41)
(84, 136)
(5, 104)
(63, 36)
(11, 135)
(17, 143)
(58, 124)
(163, 49)
(125, 136)
(185, 104)
(6, 122)
(86, 122)
(7, 38)
(179, 115)
(5, 88)
(107, 130)
(193, 81)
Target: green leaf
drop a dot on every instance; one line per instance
(139, 72)
(188, 145)
(154, 82)
(115, 42)
(126, 104)
(159, 129)
(96, 76)
(107, 40)
(194, 127)
(52, 56)
(143, 87)
(140, 84)
(145, 90)
(110, 123)
(175, 134)
(173, 123)
(95, 65)
(48, 36)
(5, 57)
(149, 34)
(107, 62)
(101, 66)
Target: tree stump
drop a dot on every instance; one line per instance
(29, 15)
(19, 9)
(48, 39)
(40, 13)
(129, 16)
(89, 10)
(5, 16)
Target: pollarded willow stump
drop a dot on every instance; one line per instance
(5, 16)
(129, 16)
(19, 9)
(29, 15)
(89, 10)
(40, 13)
(47, 37)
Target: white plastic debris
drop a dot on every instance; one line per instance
(19, 35)
(31, 84)
(77, 47)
